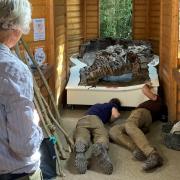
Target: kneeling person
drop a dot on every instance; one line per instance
(93, 124)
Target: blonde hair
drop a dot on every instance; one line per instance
(15, 14)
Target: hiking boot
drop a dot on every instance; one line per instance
(153, 160)
(80, 158)
(100, 152)
(139, 155)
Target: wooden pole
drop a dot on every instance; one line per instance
(43, 78)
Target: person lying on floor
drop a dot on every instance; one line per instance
(131, 133)
(93, 124)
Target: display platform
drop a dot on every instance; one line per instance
(130, 96)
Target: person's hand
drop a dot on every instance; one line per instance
(149, 84)
(115, 114)
(148, 93)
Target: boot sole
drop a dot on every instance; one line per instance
(103, 159)
(154, 166)
(81, 163)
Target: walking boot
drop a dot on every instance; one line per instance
(99, 151)
(80, 158)
(153, 160)
(139, 155)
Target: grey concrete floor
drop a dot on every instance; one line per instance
(125, 167)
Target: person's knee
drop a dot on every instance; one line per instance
(114, 132)
(129, 126)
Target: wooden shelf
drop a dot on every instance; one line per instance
(176, 75)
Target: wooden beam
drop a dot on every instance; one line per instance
(176, 75)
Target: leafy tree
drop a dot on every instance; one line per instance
(116, 18)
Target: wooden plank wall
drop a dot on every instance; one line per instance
(168, 53)
(74, 22)
(60, 48)
(40, 9)
(82, 23)
(140, 19)
(154, 24)
(74, 28)
(146, 21)
(43, 9)
(91, 19)
(178, 104)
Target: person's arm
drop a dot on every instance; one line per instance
(148, 92)
(114, 114)
(24, 134)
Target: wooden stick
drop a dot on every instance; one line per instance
(43, 109)
(41, 117)
(56, 122)
(61, 173)
(42, 77)
(51, 126)
(49, 91)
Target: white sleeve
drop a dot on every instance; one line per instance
(24, 134)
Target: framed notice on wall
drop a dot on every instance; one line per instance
(39, 29)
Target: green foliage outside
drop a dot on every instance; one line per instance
(116, 18)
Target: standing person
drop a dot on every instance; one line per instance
(20, 135)
(93, 124)
(131, 133)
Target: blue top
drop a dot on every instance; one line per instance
(20, 134)
(103, 111)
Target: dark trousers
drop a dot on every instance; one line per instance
(23, 176)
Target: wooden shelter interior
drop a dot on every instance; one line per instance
(69, 23)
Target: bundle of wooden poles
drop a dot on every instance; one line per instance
(49, 117)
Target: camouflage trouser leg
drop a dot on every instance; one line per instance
(88, 125)
(139, 118)
(118, 134)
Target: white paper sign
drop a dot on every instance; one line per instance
(40, 55)
(39, 29)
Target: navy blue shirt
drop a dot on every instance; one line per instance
(103, 111)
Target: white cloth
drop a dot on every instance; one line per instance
(176, 128)
(20, 135)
